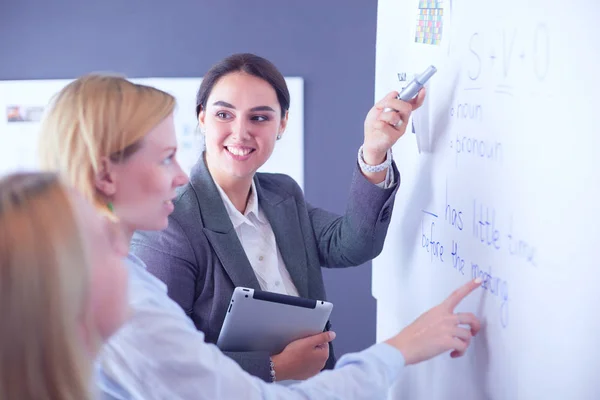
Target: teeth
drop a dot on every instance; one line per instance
(239, 151)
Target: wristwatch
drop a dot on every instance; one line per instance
(374, 168)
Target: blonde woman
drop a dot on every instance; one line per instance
(115, 141)
(53, 320)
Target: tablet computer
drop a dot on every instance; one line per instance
(264, 321)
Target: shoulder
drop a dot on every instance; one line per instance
(186, 200)
(143, 286)
(134, 262)
(187, 214)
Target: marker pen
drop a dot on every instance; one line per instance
(412, 89)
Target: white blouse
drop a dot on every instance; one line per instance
(258, 240)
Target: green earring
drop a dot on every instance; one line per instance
(110, 207)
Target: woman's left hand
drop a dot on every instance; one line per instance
(383, 129)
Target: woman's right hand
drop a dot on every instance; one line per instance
(303, 358)
(438, 330)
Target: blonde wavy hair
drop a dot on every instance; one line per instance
(96, 116)
(44, 287)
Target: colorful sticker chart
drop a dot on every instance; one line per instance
(430, 22)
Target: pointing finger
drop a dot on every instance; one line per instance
(459, 294)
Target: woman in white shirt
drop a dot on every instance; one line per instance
(115, 142)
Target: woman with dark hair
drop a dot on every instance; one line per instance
(235, 227)
(114, 141)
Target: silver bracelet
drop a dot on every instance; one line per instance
(374, 168)
(272, 367)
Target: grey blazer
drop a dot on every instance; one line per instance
(201, 260)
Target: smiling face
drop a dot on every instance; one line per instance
(242, 120)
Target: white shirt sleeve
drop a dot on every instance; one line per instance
(167, 360)
(159, 354)
(389, 181)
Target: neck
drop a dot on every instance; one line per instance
(127, 233)
(237, 189)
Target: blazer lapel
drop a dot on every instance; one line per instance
(282, 214)
(231, 254)
(219, 229)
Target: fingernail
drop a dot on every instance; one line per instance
(331, 335)
(478, 280)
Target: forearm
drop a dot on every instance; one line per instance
(358, 235)
(365, 375)
(158, 354)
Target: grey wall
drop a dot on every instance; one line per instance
(331, 44)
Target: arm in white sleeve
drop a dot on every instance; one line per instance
(159, 354)
(170, 360)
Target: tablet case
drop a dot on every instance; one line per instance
(264, 321)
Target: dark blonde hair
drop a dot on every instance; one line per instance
(97, 116)
(43, 292)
